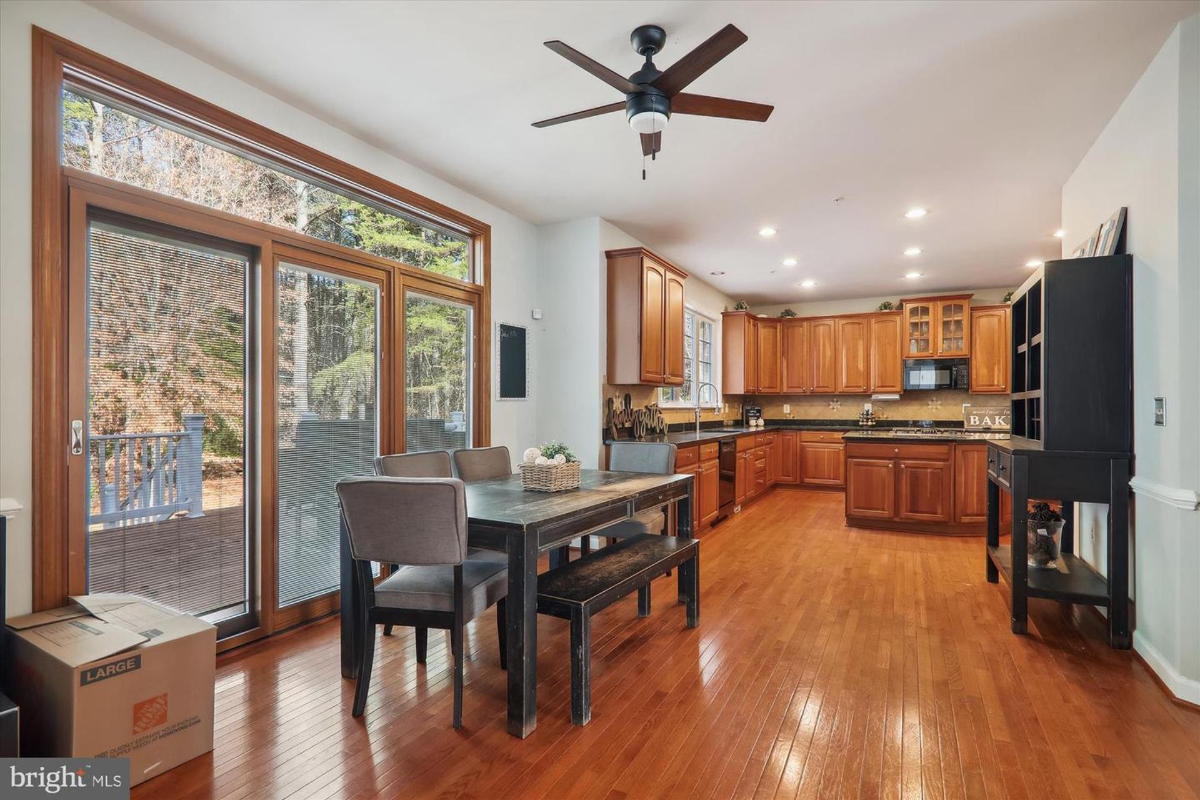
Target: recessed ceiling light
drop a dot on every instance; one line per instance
(717, 272)
(916, 213)
(912, 275)
(1034, 264)
(1058, 234)
(767, 231)
(913, 251)
(789, 262)
(808, 284)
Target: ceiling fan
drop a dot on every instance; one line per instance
(651, 95)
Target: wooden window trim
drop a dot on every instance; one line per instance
(52, 57)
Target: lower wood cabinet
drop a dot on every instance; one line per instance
(929, 487)
(822, 459)
(871, 488)
(970, 483)
(925, 490)
(706, 482)
(787, 449)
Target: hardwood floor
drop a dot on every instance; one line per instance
(829, 662)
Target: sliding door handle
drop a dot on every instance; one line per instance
(76, 437)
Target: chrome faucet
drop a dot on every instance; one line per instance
(699, 392)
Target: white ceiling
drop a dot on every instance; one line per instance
(979, 111)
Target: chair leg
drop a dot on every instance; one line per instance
(387, 630)
(456, 646)
(365, 659)
(392, 569)
(581, 667)
(422, 644)
(644, 601)
(585, 545)
(502, 631)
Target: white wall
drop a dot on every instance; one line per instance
(514, 247)
(1148, 159)
(864, 304)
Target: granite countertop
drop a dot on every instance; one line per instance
(873, 434)
(849, 427)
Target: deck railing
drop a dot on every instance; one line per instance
(148, 477)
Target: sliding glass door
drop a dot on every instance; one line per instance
(163, 436)
(439, 363)
(328, 390)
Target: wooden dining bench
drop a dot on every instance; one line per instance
(580, 588)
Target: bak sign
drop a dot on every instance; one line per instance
(985, 417)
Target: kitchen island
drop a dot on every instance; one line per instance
(922, 480)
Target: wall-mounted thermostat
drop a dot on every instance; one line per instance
(1160, 411)
(537, 313)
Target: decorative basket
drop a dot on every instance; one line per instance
(550, 477)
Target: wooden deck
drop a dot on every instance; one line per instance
(829, 662)
(195, 564)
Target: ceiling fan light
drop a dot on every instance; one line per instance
(648, 122)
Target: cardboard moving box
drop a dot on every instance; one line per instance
(114, 675)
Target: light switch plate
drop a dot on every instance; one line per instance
(1160, 411)
(787, 409)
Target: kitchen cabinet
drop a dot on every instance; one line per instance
(769, 356)
(797, 357)
(823, 349)
(787, 443)
(759, 462)
(645, 318)
(935, 487)
(853, 345)
(970, 483)
(871, 488)
(886, 362)
(822, 459)
(708, 480)
(739, 352)
(925, 490)
(770, 450)
(937, 327)
(991, 335)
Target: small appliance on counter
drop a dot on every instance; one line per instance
(752, 416)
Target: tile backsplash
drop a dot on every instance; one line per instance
(941, 405)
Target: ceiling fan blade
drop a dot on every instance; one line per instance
(591, 112)
(704, 106)
(700, 60)
(618, 82)
(651, 143)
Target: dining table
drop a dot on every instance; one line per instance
(503, 516)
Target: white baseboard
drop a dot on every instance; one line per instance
(1182, 687)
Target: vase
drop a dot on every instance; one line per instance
(1045, 541)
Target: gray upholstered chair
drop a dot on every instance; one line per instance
(653, 457)
(482, 463)
(420, 523)
(432, 464)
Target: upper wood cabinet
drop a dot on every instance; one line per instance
(797, 357)
(886, 360)
(937, 327)
(823, 355)
(769, 356)
(739, 352)
(991, 333)
(853, 346)
(645, 318)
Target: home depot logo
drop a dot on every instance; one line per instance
(110, 670)
(150, 713)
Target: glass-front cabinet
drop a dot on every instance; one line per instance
(937, 327)
(918, 318)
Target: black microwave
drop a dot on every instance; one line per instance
(936, 373)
